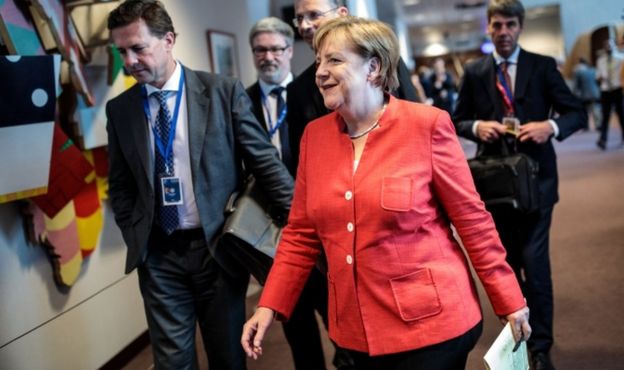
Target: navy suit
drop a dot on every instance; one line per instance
(183, 277)
(539, 92)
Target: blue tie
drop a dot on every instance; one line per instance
(283, 129)
(167, 216)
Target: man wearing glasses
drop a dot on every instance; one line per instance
(271, 43)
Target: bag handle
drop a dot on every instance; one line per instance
(504, 146)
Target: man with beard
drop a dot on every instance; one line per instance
(271, 43)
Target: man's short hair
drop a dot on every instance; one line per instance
(506, 8)
(152, 12)
(272, 25)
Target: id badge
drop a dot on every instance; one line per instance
(512, 125)
(171, 191)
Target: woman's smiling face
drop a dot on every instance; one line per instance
(342, 75)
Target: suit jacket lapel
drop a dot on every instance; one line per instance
(139, 132)
(256, 99)
(523, 72)
(488, 76)
(197, 105)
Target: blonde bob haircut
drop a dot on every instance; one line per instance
(369, 39)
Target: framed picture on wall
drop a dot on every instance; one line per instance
(222, 53)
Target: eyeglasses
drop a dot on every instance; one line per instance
(260, 51)
(310, 17)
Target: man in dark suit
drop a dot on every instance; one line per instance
(515, 83)
(187, 132)
(271, 43)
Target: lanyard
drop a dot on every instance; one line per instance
(280, 118)
(501, 85)
(164, 151)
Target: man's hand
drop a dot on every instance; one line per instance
(538, 132)
(490, 131)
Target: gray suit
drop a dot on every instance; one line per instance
(223, 133)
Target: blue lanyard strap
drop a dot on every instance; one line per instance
(280, 119)
(164, 151)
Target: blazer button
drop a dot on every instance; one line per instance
(348, 195)
(349, 259)
(350, 227)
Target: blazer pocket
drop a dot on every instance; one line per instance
(396, 193)
(416, 295)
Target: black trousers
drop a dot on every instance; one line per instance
(302, 331)
(449, 355)
(608, 100)
(183, 285)
(526, 239)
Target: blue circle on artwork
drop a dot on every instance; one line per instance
(39, 97)
(13, 58)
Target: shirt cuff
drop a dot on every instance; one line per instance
(474, 127)
(554, 126)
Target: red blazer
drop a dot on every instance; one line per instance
(398, 280)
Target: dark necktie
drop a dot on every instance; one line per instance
(167, 216)
(283, 128)
(504, 66)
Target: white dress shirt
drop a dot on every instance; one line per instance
(187, 212)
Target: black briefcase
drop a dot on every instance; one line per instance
(506, 180)
(250, 235)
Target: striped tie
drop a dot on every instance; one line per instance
(167, 216)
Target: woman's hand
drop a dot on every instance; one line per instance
(254, 330)
(519, 321)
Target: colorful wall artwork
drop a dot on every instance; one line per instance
(92, 120)
(17, 30)
(58, 33)
(27, 113)
(72, 234)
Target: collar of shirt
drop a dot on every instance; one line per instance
(172, 83)
(513, 58)
(266, 88)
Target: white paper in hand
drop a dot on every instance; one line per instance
(500, 356)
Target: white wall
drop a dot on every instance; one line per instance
(580, 16)
(42, 327)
